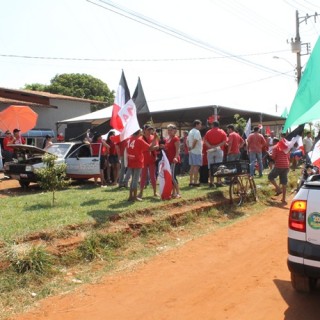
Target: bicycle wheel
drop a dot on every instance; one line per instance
(236, 191)
(249, 188)
(253, 190)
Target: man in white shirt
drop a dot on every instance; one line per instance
(307, 145)
(194, 142)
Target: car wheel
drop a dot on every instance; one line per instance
(301, 283)
(24, 184)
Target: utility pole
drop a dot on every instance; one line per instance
(296, 44)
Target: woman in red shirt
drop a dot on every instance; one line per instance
(149, 164)
(113, 161)
(99, 145)
(172, 148)
(135, 150)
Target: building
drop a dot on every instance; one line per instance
(51, 108)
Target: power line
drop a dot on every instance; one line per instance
(136, 60)
(132, 15)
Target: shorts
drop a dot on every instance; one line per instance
(282, 173)
(214, 157)
(195, 159)
(113, 159)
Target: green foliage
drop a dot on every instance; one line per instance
(52, 176)
(240, 124)
(90, 248)
(27, 258)
(36, 87)
(78, 85)
(114, 240)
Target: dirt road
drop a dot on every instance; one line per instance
(236, 273)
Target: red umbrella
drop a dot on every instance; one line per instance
(18, 117)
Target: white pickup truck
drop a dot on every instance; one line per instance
(304, 236)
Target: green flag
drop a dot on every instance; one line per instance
(285, 113)
(306, 104)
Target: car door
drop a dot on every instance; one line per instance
(81, 164)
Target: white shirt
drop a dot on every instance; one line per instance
(194, 134)
(307, 144)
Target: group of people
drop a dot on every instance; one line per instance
(136, 158)
(262, 151)
(15, 137)
(11, 138)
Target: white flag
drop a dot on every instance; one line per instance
(165, 178)
(128, 115)
(247, 129)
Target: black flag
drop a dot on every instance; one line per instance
(143, 113)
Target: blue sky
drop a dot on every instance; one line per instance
(231, 63)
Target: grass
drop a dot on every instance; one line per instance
(86, 205)
(79, 204)
(31, 272)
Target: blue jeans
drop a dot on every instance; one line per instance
(253, 156)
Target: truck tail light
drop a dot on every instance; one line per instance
(297, 215)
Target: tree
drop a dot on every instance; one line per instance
(78, 85)
(240, 124)
(52, 176)
(36, 87)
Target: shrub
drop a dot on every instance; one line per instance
(27, 258)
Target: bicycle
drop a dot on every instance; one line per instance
(242, 186)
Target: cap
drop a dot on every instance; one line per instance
(16, 130)
(7, 132)
(147, 126)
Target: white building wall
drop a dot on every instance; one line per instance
(48, 117)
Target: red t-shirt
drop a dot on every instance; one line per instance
(95, 148)
(215, 136)
(112, 150)
(171, 148)
(256, 142)
(234, 141)
(135, 149)
(149, 156)
(7, 141)
(281, 159)
(122, 145)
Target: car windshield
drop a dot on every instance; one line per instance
(59, 149)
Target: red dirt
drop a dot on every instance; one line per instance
(238, 272)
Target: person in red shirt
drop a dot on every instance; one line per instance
(113, 163)
(8, 152)
(235, 142)
(149, 164)
(124, 174)
(280, 169)
(172, 148)
(8, 139)
(17, 137)
(215, 139)
(99, 145)
(255, 143)
(135, 152)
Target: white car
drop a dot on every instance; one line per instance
(304, 236)
(77, 156)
